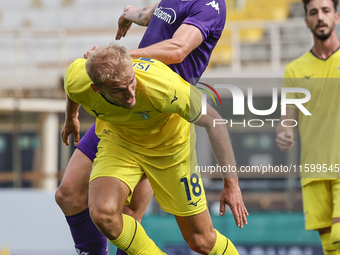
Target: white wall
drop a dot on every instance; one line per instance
(32, 223)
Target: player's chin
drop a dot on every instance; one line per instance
(129, 106)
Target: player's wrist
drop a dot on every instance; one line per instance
(71, 117)
(231, 181)
(125, 12)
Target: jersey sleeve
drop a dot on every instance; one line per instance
(76, 81)
(183, 99)
(209, 17)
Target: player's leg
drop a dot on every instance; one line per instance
(318, 208)
(114, 176)
(72, 194)
(335, 234)
(335, 231)
(140, 200)
(183, 195)
(325, 237)
(198, 232)
(72, 197)
(179, 191)
(107, 196)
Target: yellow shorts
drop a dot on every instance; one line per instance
(321, 203)
(178, 190)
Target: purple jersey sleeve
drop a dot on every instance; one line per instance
(207, 16)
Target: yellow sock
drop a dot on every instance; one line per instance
(327, 246)
(134, 240)
(223, 246)
(335, 236)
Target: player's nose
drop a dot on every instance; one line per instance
(130, 92)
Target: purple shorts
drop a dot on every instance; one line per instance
(88, 143)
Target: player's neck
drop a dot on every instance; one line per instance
(324, 49)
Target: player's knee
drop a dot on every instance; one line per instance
(201, 243)
(60, 197)
(107, 219)
(134, 213)
(66, 197)
(335, 236)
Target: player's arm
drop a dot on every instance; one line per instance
(185, 40)
(172, 51)
(72, 124)
(140, 16)
(285, 135)
(221, 146)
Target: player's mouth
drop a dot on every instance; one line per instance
(130, 101)
(321, 26)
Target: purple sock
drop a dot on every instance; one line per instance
(86, 236)
(120, 252)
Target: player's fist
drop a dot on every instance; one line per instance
(71, 126)
(88, 53)
(285, 140)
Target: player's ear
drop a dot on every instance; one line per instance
(336, 18)
(95, 88)
(306, 21)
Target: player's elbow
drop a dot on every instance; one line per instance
(179, 55)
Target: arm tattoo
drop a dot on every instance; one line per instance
(141, 13)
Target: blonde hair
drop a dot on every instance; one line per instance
(107, 65)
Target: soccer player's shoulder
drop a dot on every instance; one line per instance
(152, 70)
(301, 62)
(299, 65)
(153, 77)
(76, 77)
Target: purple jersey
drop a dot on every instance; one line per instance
(207, 15)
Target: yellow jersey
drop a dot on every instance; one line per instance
(158, 124)
(319, 132)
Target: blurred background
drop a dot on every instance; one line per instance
(40, 38)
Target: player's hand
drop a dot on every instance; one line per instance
(285, 141)
(71, 126)
(88, 53)
(231, 195)
(123, 25)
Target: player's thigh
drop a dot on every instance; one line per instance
(178, 188)
(107, 195)
(77, 173)
(140, 200)
(317, 204)
(117, 162)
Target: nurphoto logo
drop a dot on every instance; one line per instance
(238, 98)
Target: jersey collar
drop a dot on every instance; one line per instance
(107, 100)
(311, 51)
